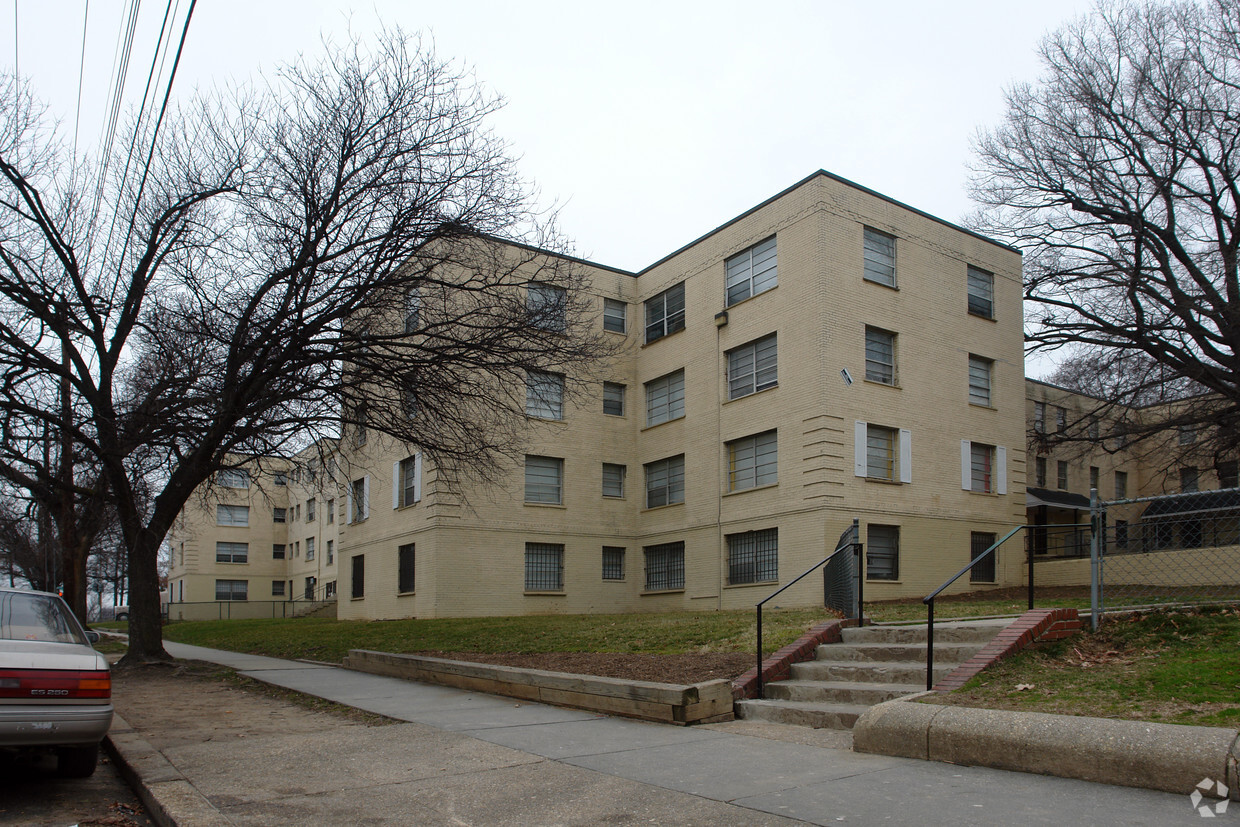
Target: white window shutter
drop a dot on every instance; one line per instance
(860, 467)
(1001, 470)
(906, 455)
(966, 465)
(417, 478)
(396, 485)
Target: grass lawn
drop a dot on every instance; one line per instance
(1179, 667)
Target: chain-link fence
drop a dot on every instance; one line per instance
(1173, 549)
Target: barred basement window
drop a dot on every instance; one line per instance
(751, 271)
(665, 566)
(544, 567)
(753, 557)
(613, 563)
(277, 588)
(882, 552)
(405, 568)
(983, 572)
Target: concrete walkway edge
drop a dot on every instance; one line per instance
(1153, 756)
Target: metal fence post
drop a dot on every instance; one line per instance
(1095, 559)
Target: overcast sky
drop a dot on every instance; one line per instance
(647, 123)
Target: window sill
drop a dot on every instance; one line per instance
(355, 599)
(621, 498)
(548, 593)
(613, 579)
(547, 419)
(664, 422)
(878, 283)
(545, 505)
(973, 404)
(882, 582)
(774, 387)
(661, 507)
(663, 338)
(881, 384)
(662, 591)
(755, 488)
(406, 594)
(990, 318)
(882, 481)
(750, 585)
(619, 332)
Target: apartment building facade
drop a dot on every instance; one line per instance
(829, 355)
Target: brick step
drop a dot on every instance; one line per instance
(901, 672)
(839, 692)
(816, 715)
(961, 631)
(881, 652)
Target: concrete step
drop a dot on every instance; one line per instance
(961, 631)
(880, 652)
(839, 692)
(901, 672)
(816, 715)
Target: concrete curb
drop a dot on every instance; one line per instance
(1166, 757)
(169, 798)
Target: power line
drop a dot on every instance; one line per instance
(120, 71)
(77, 113)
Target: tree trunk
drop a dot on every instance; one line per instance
(146, 643)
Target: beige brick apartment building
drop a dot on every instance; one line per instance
(829, 355)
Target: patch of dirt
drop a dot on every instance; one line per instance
(678, 669)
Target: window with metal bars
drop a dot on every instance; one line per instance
(882, 552)
(613, 563)
(983, 572)
(405, 568)
(753, 557)
(665, 566)
(544, 567)
(232, 589)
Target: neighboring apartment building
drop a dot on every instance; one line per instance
(829, 355)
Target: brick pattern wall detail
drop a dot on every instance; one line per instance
(1033, 625)
(778, 666)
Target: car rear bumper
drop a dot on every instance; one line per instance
(53, 726)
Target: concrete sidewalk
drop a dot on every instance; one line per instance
(467, 758)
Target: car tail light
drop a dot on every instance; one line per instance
(49, 684)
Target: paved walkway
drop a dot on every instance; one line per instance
(468, 758)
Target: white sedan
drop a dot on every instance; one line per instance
(55, 690)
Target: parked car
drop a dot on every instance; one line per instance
(55, 689)
(113, 612)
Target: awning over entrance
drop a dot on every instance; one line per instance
(1055, 499)
(1201, 502)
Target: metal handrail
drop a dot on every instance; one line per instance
(855, 547)
(929, 599)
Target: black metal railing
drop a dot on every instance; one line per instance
(929, 599)
(855, 547)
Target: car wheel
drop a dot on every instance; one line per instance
(77, 762)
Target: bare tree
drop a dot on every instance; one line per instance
(1118, 175)
(323, 255)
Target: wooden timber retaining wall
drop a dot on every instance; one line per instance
(701, 703)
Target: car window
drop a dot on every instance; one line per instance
(37, 617)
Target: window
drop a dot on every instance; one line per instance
(983, 467)
(413, 303)
(547, 306)
(544, 478)
(751, 272)
(232, 552)
(407, 481)
(665, 566)
(613, 399)
(1121, 533)
(297, 512)
(880, 356)
(405, 568)
(752, 367)
(359, 575)
(309, 548)
(281, 478)
(359, 496)
(235, 515)
(310, 510)
(1187, 435)
(665, 398)
(277, 551)
(981, 292)
(1039, 417)
(753, 461)
(544, 567)
(1093, 477)
(409, 396)
(231, 589)
(1093, 427)
(613, 480)
(665, 481)
(279, 515)
(1188, 480)
(615, 315)
(1121, 485)
(312, 471)
(544, 395)
(330, 591)
(1039, 465)
(1061, 419)
(879, 250)
(613, 563)
(331, 510)
(882, 453)
(753, 557)
(297, 549)
(979, 380)
(1228, 474)
(1061, 476)
(360, 430)
(331, 552)
(233, 478)
(665, 313)
(277, 588)
(882, 552)
(983, 572)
